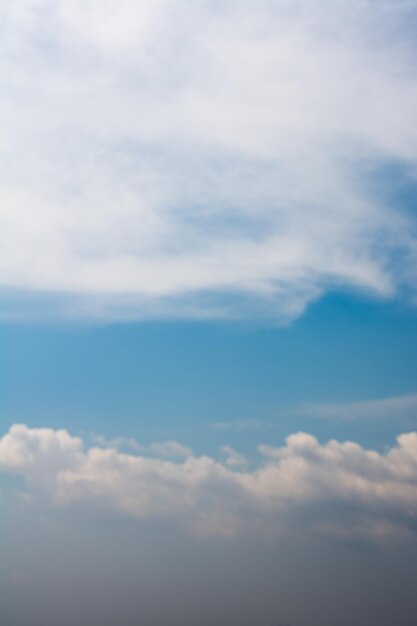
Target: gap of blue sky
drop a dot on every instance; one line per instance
(179, 380)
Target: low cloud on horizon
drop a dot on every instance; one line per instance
(336, 489)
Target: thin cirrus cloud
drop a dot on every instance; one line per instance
(338, 489)
(395, 408)
(168, 449)
(164, 159)
(238, 425)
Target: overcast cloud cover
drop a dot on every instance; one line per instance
(204, 159)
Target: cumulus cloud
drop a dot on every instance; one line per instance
(39, 454)
(336, 488)
(162, 158)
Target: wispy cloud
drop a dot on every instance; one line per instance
(170, 449)
(398, 407)
(162, 158)
(233, 457)
(304, 486)
(238, 425)
(115, 442)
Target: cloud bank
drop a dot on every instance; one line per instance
(163, 159)
(337, 489)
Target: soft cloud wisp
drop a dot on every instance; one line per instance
(163, 159)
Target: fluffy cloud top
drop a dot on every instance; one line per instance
(165, 158)
(335, 488)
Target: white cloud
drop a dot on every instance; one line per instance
(397, 407)
(167, 449)
(116, 442)
(238, 425)
(304, 486)
(170, 449)
(39, 454)
(162, 158)
(233, 457)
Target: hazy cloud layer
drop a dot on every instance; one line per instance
(304, 487)
(168, 158)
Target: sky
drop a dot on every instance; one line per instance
(209, 326)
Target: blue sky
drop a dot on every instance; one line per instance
(181, 379)
(208, 324)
